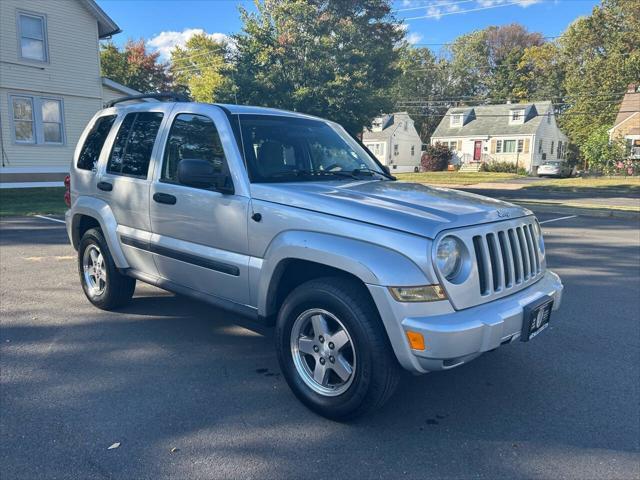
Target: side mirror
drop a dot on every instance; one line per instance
(386, 169)
(200, 173)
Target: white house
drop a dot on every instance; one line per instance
(524, 134)
(50, 85)
(395, 142)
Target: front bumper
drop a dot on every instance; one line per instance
(456, 337)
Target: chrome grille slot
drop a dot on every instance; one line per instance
(525, 254)
(484, 265)
(507, 259)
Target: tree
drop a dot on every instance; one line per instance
(435, 158)
(134, 67)
(201, 67)
(599, 153)
(601, 57)
(329, 58)
(484, 62)
(419, 90)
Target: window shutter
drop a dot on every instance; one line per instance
(493, 145)
(526, 145)
(459, 145)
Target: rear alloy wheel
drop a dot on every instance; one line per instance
(333, 348)
(103, 284)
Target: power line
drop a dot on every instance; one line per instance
(457, 12)
(427, 5)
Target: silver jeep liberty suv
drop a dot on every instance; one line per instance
(287, 219)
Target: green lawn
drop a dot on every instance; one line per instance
(455, 178)
(629, 184)
(31, 201)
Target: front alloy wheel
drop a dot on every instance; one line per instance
(95, 272)
(322, 352)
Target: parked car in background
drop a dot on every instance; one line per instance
(285, 218)
(554, 169)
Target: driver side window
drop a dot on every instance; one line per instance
(192, 137)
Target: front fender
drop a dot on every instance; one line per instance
(100, 211)
(373, 264)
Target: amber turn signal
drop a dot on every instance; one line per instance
(416, 340)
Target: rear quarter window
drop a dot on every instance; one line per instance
(90, 152)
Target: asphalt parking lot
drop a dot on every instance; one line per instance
(193, 392)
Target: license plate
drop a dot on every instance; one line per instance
(536, 318)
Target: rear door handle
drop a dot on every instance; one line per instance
(164, 198)
(106, 186)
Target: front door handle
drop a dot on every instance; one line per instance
(164, 198)
(106, 186)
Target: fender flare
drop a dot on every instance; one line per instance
(372, 264)
(102, 213)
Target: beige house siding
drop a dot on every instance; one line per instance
(71, 74)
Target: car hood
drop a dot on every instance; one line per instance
(408, 207)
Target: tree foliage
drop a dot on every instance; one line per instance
(599, 153)
(330, 58)
(201, 68)
(134, 67)
(435, 158)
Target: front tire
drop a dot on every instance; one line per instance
(103, 284)
(333, 349)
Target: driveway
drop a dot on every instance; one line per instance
(188, 391)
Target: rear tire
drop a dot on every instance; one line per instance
(360, 368)
(103, 284)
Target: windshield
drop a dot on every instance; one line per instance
(289, 149)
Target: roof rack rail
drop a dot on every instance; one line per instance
(176, 97)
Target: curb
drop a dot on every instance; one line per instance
(574, 210)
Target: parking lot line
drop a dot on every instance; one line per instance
(49, 218)
(558, 219)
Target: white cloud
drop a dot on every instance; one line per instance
(164, 42)
(414, 38)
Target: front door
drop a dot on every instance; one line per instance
(199, 236)
(477, 150)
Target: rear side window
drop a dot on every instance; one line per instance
(191, 137)
(132, 148)
(92, 147)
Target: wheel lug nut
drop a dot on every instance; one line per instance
(332, 359)
(315, 348)
(322, 361)
(331, 345)
(321, 338)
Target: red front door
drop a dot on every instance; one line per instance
(477, 150)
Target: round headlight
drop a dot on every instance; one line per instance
(449, 256)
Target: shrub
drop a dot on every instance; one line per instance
(435, 158)
(502, 167)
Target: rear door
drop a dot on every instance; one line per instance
(200, 235)
(124, 181)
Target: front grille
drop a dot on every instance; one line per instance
(507, 258)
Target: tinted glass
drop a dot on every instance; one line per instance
(278, 148)
(192, 137)
(93, 144)
(132, 148)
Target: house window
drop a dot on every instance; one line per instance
(413, 150)
(517, 116)
(456, 120)
(499, 146)
(559, 149)
(549, 117)
(395, 149)
(509, 146)
(551, 147)
(32, 31)
(520, 145)
(406, 126)
(540, 146)
(37, 120)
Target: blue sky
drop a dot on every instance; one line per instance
(165, 23)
